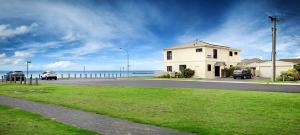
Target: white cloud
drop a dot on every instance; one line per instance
(19, 58)
(6, 31)
(93, 29)
(60, 65)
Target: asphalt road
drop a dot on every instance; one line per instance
(181, 84)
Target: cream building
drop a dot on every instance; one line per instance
(263, 68)
(208, 60)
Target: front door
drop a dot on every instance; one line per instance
(217, 70)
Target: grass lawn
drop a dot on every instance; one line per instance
(14, 121)
(201, 111)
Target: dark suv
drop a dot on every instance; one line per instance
(11, 75)
(243, 74)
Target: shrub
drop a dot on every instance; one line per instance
(291, 71)
(290, 75)
(229, 71)
(164, 76)
(284, 78)
(187, 73)
(297, 67)
(296, 76)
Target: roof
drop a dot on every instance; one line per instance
(253, 60)
(294, 60)
(220, 63)
(200, 44)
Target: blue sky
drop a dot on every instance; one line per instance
(65, 35)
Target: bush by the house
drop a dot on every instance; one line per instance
(161, 74)
(164, 76)
(297, 67)
(229, 71)
(290, 75)
(187, 73)
(284, 78)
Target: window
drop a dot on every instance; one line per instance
(230, 53)
(169, 55)
(208, 67)
(169, 68)
(182, 67)
(235, 53)
(215, 53)
(199, 50)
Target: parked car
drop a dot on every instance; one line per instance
(243, 74)
(11, 75)
(49, 75)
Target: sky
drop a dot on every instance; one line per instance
(67, 35)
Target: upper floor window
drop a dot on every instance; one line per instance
(199, 50)
(235, 53)
(169, 68)
(215, 53)
(169, 55)
(230, 53)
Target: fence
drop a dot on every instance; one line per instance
(88, 76)
(31, 79)
(20, 80)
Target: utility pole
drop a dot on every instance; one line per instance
(274, 21)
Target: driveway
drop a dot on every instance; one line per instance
(181, 84)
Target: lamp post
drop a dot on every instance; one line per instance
(27, 67)
(127, 60)
(84, 69)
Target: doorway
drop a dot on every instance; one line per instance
(217, 71)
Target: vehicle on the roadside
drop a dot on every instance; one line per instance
(243, 74)
(14, 75)
(49, 75)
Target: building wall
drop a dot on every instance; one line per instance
(198, 61)
(198, 66)
(265, 68)
(223, 55)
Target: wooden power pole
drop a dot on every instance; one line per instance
(274, 21)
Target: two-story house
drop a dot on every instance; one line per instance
(208, 60)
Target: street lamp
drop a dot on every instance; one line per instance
(127, 60)
(27, 67)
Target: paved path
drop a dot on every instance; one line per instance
(91, 121)
(182, 84)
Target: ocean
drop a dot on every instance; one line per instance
(65, 74)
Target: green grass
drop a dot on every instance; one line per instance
(14, 121)
(201, 111)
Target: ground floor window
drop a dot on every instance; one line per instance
(208, 67)
(182, 67)
(169, 68)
